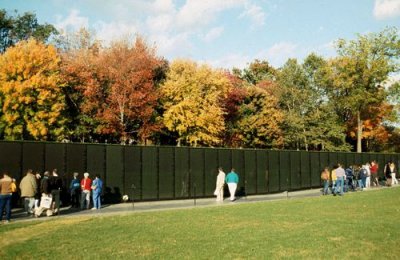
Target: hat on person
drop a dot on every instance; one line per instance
(86, 174)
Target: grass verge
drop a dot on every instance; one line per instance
(362, 225)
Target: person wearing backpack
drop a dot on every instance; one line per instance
(363, 176)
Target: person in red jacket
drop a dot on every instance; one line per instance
(374, 173)
(86, 184)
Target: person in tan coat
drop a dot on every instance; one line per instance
(219, 189)
(28, 187)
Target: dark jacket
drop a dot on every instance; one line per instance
(45, 186)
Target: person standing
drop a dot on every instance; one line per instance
(5, 197)
(325, 179)
(75, 189)
(28, 187)
(374, 173)
(340, 175)
(232, 179)
(56, 186)
(46, 198)
(86, 184)
(219, 187)
(368, 179)
(333, 180)
(393, 173)
(38, 194)
(97, 187)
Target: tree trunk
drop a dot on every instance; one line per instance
(359, 132)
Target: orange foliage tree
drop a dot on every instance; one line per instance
(31, 92)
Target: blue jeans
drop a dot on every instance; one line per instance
(326, 186)
(339, 185)
(5, 202)
(96, 200)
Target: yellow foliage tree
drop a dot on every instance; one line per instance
(31, 92)
(192, 97)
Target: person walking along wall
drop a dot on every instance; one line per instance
(325, 179)
(232, 179)
(219, 189)
(28, 187)
(340, 175)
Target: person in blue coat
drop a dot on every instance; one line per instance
(232, 179)
(97, 188)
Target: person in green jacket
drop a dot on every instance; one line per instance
(232, 179)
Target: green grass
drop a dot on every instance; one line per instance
(359, 225)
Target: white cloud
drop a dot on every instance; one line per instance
(172, 46)
(386, 9)
(72, 22)
(255, 13)
(196, 13)
(213, 34)
(161, 23)
(229, 61)
(172, 25)
(163, 6)
(278, 54)
(108, 32)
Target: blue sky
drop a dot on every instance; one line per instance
(223, 33)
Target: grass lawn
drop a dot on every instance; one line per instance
(358, 225)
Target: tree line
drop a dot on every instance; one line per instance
(71, 87)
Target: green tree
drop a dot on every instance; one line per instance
(310, 120)
(22, 27)
(260, 118)
(31, 92)
(256, 72)
(355, 77)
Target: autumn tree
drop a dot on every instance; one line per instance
(231, 105)
(31, 92)
(128, 73)
(355, 77)
(79, 53)
(192, 95)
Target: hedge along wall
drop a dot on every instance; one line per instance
(177, 172)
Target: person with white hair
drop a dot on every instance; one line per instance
(219, 189)
(86, 185)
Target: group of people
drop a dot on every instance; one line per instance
(41, 194)
(356, 177)
(231, 179)
(84, 189)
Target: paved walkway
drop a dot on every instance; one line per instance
(129, 207)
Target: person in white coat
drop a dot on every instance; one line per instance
(219, 189)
